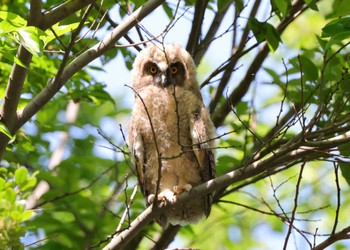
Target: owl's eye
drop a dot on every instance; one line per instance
(173, 70)
(153, 69)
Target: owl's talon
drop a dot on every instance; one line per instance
(179, 190)
(187, 187)
(167, 196)
(150, 198)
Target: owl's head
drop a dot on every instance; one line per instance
(164, 66)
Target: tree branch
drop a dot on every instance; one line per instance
(287, 153)
(204, 45)
(86, 57)
(195, 33)
(66, 9)
(342, 235)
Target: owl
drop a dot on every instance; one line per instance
(170, 134)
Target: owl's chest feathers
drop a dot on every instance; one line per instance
(169, 119)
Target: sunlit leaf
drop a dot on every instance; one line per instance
(21, 175)
(29, 37)
(10, 22)
(59, 31)
(5, 130)
(13, 59)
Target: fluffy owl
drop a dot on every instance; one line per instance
(170, 133)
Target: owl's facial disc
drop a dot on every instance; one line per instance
(166, 75)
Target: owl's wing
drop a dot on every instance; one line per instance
(202, 133)
(137, 154)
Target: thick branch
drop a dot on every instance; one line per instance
(66, 9)
(204, 45)
(195, 33)
(342, 235)
(288, 153)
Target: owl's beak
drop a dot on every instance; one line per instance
(165, 81)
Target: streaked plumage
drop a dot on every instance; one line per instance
(170, 128)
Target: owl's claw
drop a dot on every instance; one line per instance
(167, 195)
(150, 198)
(178, 189)
(164, 196)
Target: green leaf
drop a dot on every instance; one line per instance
(345, 170)
(222, 4)
(272, 37)
(312, 4)
(337, 39)
(21, 176)
(29, 184)
(282, 6)
(345, 166)
(2, 183)
(59, 31)
(321, 42)
(308, 68)
(29, 37)
(13, 59)
(6, 131)
(27, 215)
(336, 26)
(258, 29)
(10, 195)
(168, 10)
(63, 216)
(10, 22)
(239, 5)
(242, 108)
(342, 8)
(265, 31)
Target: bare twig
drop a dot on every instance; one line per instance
(291, 220)
(127, 209)
(336, 173)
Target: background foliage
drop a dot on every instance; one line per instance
(277, 87)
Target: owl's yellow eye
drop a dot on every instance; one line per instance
(173, 70)
(153, 69)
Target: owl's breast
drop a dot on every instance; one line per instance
(166, 116)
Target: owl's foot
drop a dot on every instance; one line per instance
(178, 189)
(165, 196)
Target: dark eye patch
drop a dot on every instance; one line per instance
(151, 68)
(176, 68)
